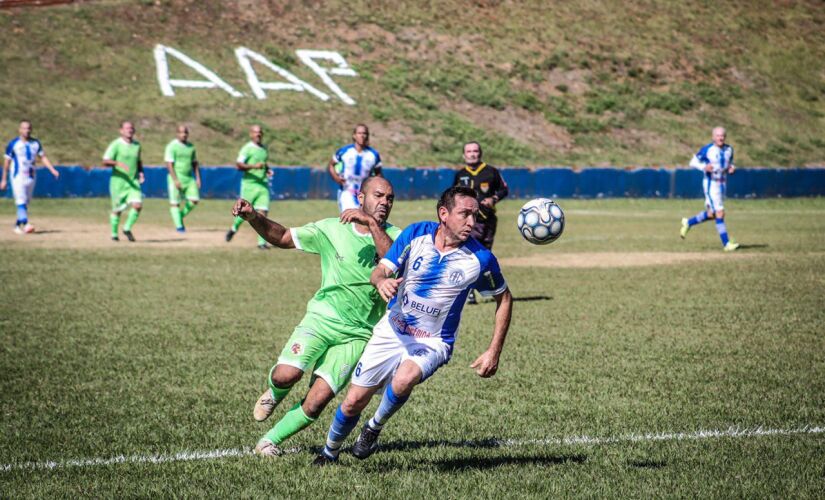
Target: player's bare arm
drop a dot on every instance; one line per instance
(270, 230)
(486, 365)
(115, 163)
(4, 180)
(249, 166)
(197, 171)
(332, 173)
(141, 177)
(170, 167)
(382, 240)
(383, 281)
(51, 168)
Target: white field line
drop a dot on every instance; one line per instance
(186, 456)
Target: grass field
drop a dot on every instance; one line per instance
(161, 347)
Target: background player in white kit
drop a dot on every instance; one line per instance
(353, 163)
(437, 264)
(716, 161)
(21, 158)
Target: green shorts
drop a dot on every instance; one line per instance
(256, 194)
(124, 192)
(188, 190)
(329, 348)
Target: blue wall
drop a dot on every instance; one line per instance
(413, 183)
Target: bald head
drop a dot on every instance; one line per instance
(127, 131)
(256, 134)
(719, 135)
(376, 198)
(182, 133)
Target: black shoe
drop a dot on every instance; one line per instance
(263, 247)
(129, 236)
(322, 460)
(471, 298)
(115, 238)
(229, 235)
(367, 442)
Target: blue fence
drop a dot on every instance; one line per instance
(415, 183)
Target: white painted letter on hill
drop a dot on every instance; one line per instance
(342, 69)
(166, 85)
(244, 55)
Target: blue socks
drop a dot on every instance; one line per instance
(22, 215)
(390, 404)
(722, 230)
(698, 219)
(341, 427)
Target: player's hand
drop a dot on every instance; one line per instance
(2, 185)
(198, 182)
(388, 288)
(141, 178)
(123, 166)
(269, 173)
(56, 174)
(731, 169)
(486, 365)
(488, 202)
(244, 210)
(356, 215)
(708, 168)
(260, 165)
(178, 185)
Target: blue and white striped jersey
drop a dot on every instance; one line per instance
(435, 286)
(357, 166)
(23, 156)
(720, 158)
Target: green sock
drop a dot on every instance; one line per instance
(186, 208)
(131, 219)
(261, 240)
(114, 220)
(292, 422)
(177, 217)
(237, 223)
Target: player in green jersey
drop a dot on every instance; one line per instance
(123, 155)
(339, 318)
(255, 182)
(184, 179)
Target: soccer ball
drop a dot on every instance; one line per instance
(541, 221)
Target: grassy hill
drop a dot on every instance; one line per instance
(583, 83)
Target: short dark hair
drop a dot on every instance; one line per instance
(464, 148)
(447, 199)
(355, 129)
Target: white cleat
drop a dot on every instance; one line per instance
(685, 228)
(18, 230)
(264, 406)
(731, 246)
(266, 448)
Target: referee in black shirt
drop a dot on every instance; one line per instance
(490, 188)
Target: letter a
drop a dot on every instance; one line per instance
(244, 55)
(342, 69)
(166, 85)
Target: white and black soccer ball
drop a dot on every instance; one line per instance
(541, 221)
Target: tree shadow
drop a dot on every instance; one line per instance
(531, 298)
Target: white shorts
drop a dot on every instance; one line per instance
(23, 189)
(347, 200)
(386, 350)
(714, 194)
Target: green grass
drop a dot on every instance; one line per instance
(156, 349)
(586, 83)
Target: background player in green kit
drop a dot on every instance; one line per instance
(184, 179)
(255, 183)
(339, 318)
(123, 155)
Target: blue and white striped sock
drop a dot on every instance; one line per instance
(722, 230)
(341, 427)
(22, 214)
(698, 219)
(390, 404)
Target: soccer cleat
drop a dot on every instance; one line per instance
(115, 238)
(18, 230)
(229, 235)
(264, 406)
(181, 229)
(322, 460)
(731, 246)
(263, 246)
(471, 298)
(685, 228)
(367, 442)
(28, 229)
(129, 236)
(266, 448)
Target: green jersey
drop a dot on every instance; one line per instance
(347, 260)
(182, 156)
(252, 154)
(127, 153)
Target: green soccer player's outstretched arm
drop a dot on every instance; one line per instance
(270, 230)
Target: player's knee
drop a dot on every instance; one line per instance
(137, 206)
(284, 376)
(314, 405)
(354, 404)
(405, 379)
(720, 214)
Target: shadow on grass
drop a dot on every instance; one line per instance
(745, 246)
(169, 240)
(459, 464)
(647, 464)
(47, 231)
(532, 298)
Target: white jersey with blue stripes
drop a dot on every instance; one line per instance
(435, 286)
(719, 158)
(23, 155)
(357, 165)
